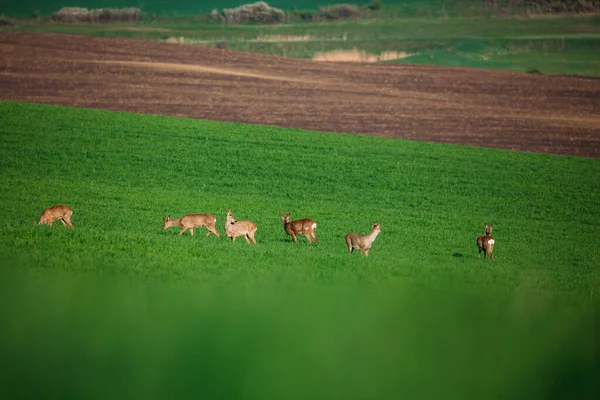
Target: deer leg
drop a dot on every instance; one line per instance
(213, 230)
(252, 237)
(192, 231)
(367, 252)
(489, 250)
(308, 237)
(182, 231)
(68, 221)
(294, 239)
(314, 235)
(247, 240)
(63, 222)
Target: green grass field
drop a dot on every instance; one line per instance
(118, 307)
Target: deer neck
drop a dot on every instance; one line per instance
(173, 222)
(371, 236)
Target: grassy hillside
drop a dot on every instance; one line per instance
(118, 306)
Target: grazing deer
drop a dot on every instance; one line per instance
(192, 221)
(485, 242)
(234, 228)
(60, 212)
(363, 242)
(304, 227)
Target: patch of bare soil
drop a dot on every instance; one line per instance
(356, 55)
(141, 29)
(452, 105)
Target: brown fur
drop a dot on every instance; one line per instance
(304, 227)
(58, 212)
(486, 242)
(191, 221)
(234, 228)
(363, 242)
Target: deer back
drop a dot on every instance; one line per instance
(55, 212)
(305, 224)
(198, 219)
(240, 228)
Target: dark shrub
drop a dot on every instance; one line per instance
(4, 22)
(339, 11)
(375, 5)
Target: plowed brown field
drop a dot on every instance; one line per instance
(465, 106)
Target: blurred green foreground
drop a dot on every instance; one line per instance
(74, 337)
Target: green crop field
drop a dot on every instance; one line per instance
(117, 307)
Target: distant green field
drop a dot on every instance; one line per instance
(118, 307)
(26, 7)
(566, 44)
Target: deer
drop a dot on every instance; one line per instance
(234, 228)
(363, 242)
(191, 221)
(305, 226)
(485, 242)
(58, 212)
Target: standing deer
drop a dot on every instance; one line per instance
(192, 221)
(234, 228)
(60, 212)
(304, 227)
(363, 242)
(485, 242)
